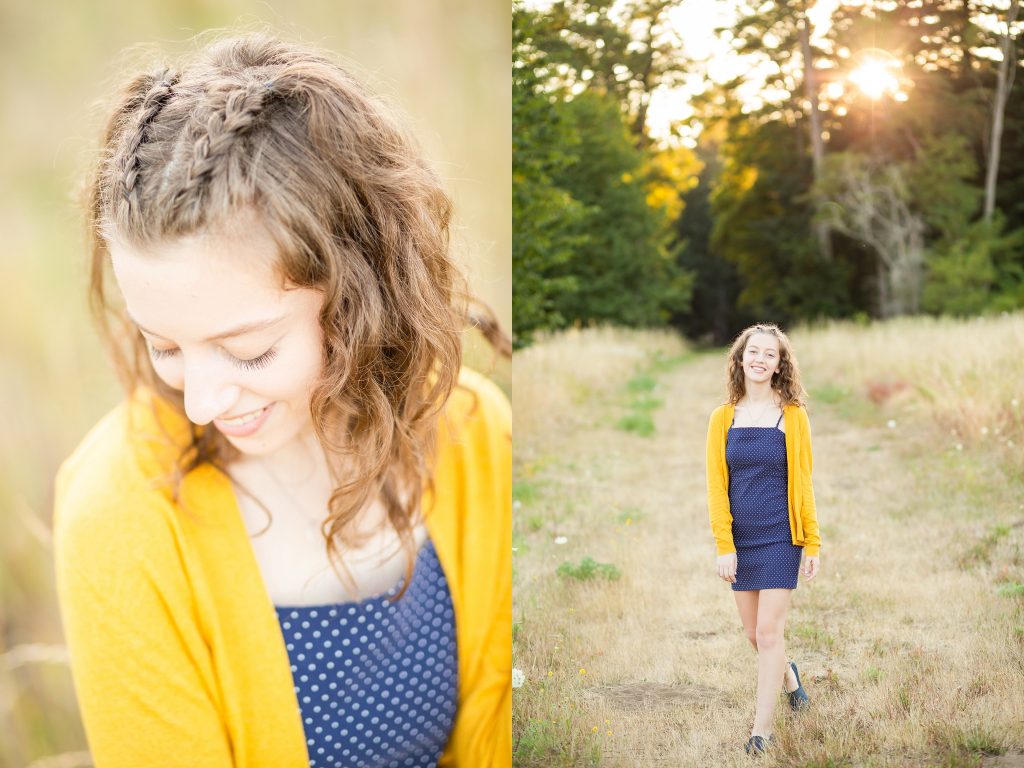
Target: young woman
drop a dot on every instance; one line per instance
(290, 544)
(761, 505)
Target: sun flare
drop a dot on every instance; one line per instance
(875, 78)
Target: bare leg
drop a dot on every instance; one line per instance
(773, 604)
(746, 602)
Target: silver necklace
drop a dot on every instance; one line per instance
(764, 410)
(313, 526)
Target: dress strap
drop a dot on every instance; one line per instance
(780, 419)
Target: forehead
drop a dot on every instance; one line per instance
(193, 287)
(763, 341)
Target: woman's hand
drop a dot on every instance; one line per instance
(812, 564)
(727, 567)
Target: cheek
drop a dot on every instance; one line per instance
(294, 375)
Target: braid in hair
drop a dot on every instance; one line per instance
(218, 134)
(159, 92)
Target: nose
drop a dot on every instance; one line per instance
(208, 391)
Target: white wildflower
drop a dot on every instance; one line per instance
(891, 424)
(517, 505)
(560, 540)
(984, 430)
(959, 446)
(518, 678)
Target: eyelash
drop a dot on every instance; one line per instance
(249, 365)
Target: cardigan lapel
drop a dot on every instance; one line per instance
(792, 416)
(252, 683)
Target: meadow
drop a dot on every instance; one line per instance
(443, 64)
(911, 639)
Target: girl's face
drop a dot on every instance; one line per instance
(761, 357)
(220, 328)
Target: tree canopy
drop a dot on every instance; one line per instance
(858, 179)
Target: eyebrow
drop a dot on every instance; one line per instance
(240, 330)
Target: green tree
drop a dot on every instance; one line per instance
(626, 49)
(979, 272)
(626, 271)
(545, 217)
(712, 314)
(762, 224)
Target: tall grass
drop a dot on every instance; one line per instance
(966, 376)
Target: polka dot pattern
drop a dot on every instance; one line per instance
(376, 681)
(766, 557)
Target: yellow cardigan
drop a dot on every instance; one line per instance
(176, 651)
(803, 517)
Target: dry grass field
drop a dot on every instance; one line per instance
(910, 641)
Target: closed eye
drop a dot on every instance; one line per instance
(262, 361)
(252, 364)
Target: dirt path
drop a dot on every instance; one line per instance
(908, 654)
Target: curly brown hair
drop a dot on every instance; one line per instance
(785, 381)
(254, 123)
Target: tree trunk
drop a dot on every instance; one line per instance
(817, 143)
(873, 207)
(1003, 83)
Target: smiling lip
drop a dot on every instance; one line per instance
(244, 430)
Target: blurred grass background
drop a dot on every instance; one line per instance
(445, 63)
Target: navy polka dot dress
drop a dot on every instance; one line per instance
(377, 681)
(766, 557)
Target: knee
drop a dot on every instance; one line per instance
(752, 637)
(767, 636)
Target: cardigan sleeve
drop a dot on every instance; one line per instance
(808, 508)
(482, 735)
(718, 485)
(141, 669)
